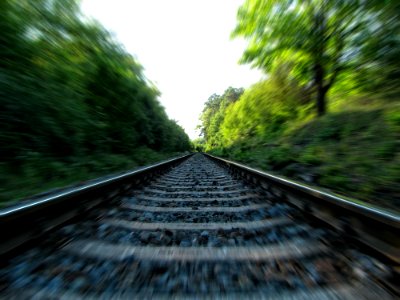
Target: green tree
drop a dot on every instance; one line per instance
(317, 36)
(380, 50)
(262, 112)
(214, 113)
(71, 95)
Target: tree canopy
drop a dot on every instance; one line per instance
(214, 113)
(321, 39)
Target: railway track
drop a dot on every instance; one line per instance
(201, 228)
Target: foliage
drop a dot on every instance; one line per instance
(309, 48)
(70, 94)
(198, 144)
(354, 150)
(262, 110)
(213, 115)
(322, 39)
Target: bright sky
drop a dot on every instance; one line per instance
(183, 45)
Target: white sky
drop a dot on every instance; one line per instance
(184, 46)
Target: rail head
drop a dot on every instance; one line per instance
(377, 228)
(75, 191)
(373, 212)
(31, 219)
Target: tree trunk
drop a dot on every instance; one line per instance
(321, 101)
(319, 51)
(321, 90)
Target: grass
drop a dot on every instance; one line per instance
(353, 150)
(39, 174)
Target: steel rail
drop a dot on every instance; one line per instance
(24, 222)
(100, 215)
(377, 228)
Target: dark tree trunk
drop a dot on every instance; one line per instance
(319, 51)
(320, 88)
(321, 101)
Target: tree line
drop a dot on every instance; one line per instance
(327, 111)
(308, 50)
(70, 93)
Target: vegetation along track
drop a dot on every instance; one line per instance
(198, 230)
